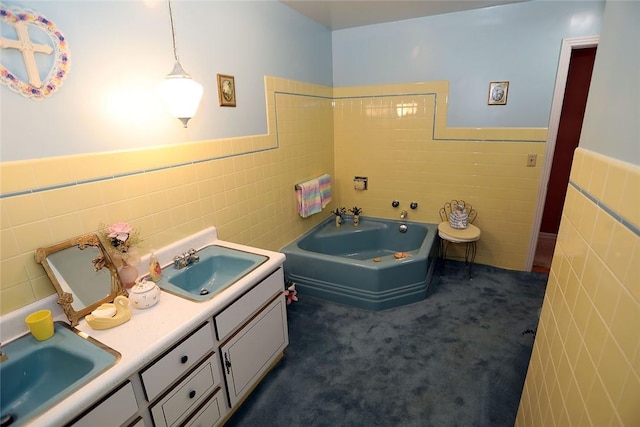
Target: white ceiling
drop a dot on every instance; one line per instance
(341, 14)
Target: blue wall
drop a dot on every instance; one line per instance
(612, 117)
(121, 50)
(519, 43)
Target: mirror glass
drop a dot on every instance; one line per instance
(82, 273)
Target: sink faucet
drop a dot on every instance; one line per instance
(403, 214)
(185, 259)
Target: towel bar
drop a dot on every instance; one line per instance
(298, 187)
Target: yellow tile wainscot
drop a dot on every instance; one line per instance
(585, 365)
(390, 133)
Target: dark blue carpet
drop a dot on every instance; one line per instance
(458, 358)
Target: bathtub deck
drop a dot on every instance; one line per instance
(336, 264)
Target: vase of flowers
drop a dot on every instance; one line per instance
(338, 213)
(356, 211)
(123, 239)
(128, 275)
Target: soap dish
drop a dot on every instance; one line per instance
(121, 315)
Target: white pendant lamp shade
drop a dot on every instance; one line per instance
(181, 94)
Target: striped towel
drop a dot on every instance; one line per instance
(308, 198)
(325, 189)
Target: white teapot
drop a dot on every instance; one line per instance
(144, 294)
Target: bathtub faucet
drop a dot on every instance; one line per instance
(403, 215)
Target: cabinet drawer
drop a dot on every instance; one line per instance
(210, 413)
(237, 313)
(176, 362)
(114, 410)
(178, 403)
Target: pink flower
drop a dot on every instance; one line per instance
(120, 230)
(290, 294)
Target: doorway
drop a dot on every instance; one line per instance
(567, 113)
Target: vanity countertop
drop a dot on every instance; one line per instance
(151, 331)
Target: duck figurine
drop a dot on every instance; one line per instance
(110, 315)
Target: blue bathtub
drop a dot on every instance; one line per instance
(337, 263)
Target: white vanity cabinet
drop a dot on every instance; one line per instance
(204, 376)
(251, 335)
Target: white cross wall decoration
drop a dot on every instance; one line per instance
(28, 49)
(35, 88)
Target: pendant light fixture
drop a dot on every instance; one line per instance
(180, 92)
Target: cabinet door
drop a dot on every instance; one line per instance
(248, 354)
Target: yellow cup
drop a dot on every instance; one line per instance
(40, 324)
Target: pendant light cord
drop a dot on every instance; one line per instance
(173, 32)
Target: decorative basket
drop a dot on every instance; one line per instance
(459, 219)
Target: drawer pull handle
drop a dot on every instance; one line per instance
(227, 364)
(192, 394)
(184, 359)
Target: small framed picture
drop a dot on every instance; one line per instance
(498, 93)
(226, 90)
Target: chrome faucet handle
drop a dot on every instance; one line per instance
(192, 256)
(178, 262)
(185, 259)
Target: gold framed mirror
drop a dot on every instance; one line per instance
(82, 274)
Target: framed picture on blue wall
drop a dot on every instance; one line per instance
(498, 93)
(226, 90)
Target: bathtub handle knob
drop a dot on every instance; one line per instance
(395, 203)
(414, 205)
(403, 228)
